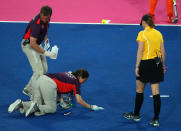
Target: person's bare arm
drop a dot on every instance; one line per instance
(163, 54)
(81, 101)
(35, 46)
(139, 56)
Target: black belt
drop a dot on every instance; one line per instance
(27, 41)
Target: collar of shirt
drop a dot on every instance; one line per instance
(148, 28)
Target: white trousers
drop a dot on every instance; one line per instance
(38, 63)
(45, 94)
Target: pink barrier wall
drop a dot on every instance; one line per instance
(84, 11)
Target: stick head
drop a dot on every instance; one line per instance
(175, 21)
(67, 111)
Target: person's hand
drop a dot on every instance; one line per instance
(96, 108)
(65, 106)
(46, 45)
(137, 71)
(164, 69)
(52, 55)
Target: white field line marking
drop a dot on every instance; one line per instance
(162, 96)
(87, 23)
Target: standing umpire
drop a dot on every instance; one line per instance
(150, 67)
(35, 33)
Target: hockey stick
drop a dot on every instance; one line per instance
(175, 10)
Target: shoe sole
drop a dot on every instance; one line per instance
(155, 125)
(38, 114)
(136, 120)
(30, 109)
(68, 113)
(26, 93)
(13, 106)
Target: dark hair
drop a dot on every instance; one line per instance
(149, 20)
(46, 10)
(81, 73)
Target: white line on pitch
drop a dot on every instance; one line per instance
(161, 96)
(87, 23)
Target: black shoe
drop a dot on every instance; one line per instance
(155, 123)
(131, 116)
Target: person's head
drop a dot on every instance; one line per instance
(147, 21)
(45, 14)
(81, 74)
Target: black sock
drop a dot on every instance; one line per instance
(138, 103)
(157, 106)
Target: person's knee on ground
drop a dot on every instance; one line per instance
(50, 108)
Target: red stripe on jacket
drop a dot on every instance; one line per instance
(63, 87)
(28, 34)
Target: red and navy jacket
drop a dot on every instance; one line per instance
(66, 82)
(36, 28)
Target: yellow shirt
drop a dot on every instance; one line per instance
(152, 39)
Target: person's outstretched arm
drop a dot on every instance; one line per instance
(81, 101)
(85, 104)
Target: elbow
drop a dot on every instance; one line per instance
(141, 51)
(79, 101)
(163, 54)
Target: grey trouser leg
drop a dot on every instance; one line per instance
(36, 93)
(26, 105)
(37, 62)
(46, 93)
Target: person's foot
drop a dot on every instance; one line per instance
(26, 92)
(169, 19)
(15, 105)
(39, 113)
(155, 123)
(131, 116)
(33, 108)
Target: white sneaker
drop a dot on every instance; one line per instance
(32, 108)
(14, 106)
